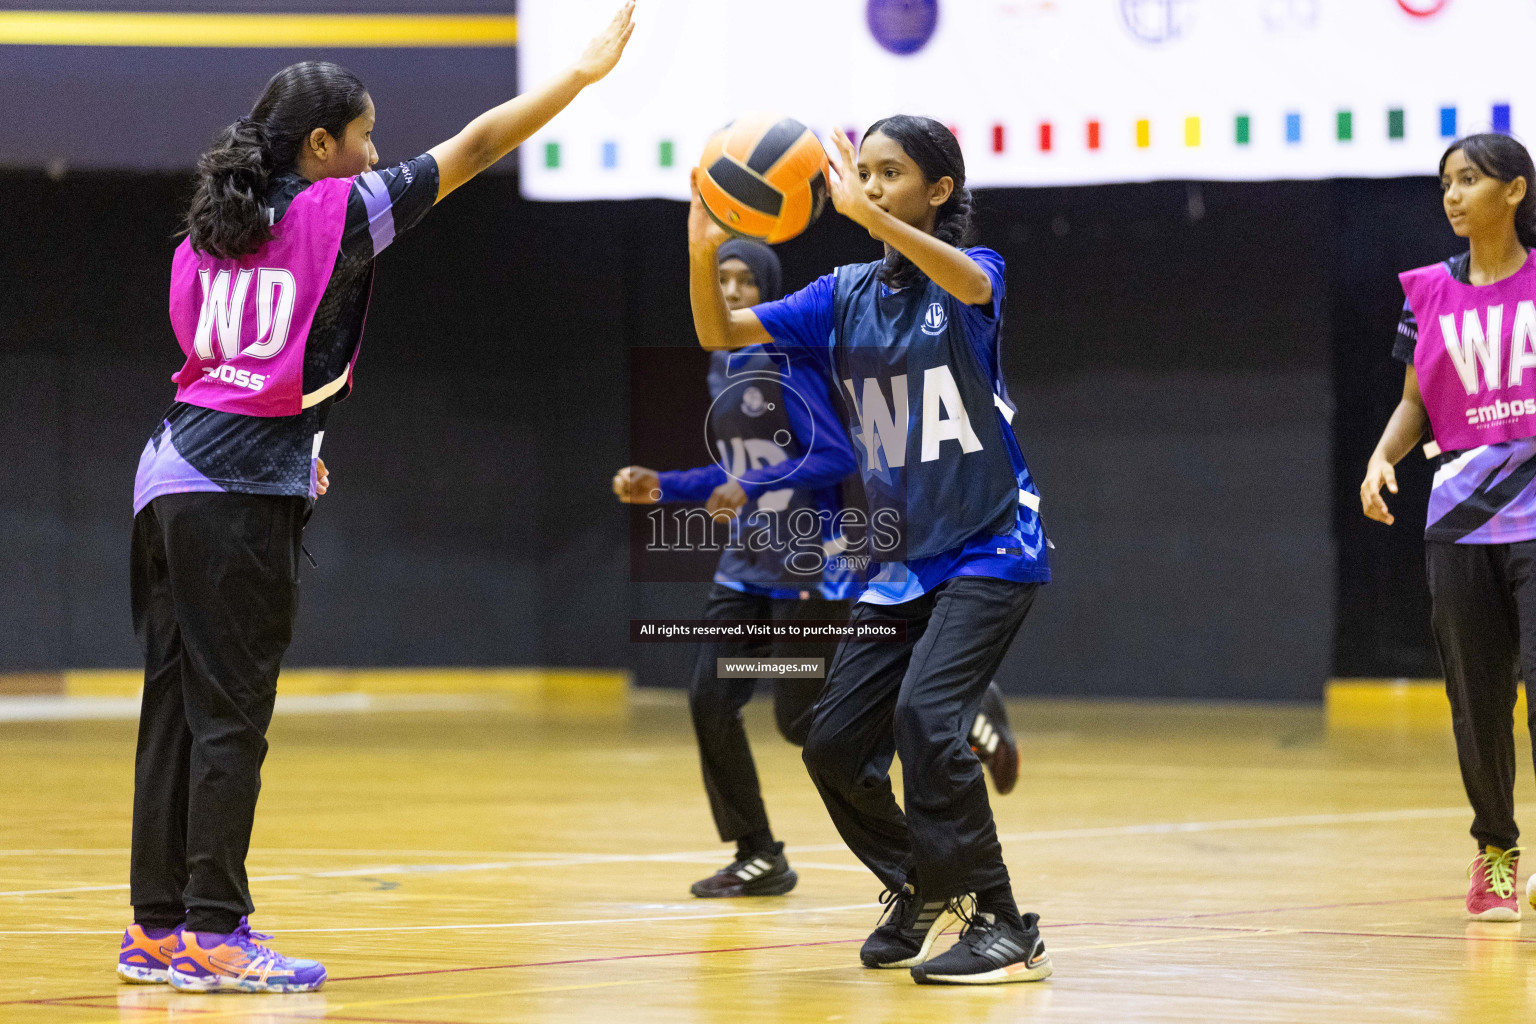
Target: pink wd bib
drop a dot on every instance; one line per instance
(1476, 356)
(244, 323)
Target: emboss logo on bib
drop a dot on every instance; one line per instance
(239, 378)
(935, 320)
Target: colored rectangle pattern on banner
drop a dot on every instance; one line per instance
(1123, 84)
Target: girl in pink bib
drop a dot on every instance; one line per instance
(269, 293)
(1468, 336)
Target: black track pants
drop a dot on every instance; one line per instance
(730, 775)
(215, 590)
(916, 700)
(1484, 615)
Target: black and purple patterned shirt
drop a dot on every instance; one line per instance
(198, 449)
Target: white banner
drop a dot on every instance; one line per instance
(1041, 92)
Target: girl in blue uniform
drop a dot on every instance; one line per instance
(912, 342)
(778, 413)
(791, 454)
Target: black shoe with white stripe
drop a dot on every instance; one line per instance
(993, 740)
(907, 930)
(755, 874)
(989, 953)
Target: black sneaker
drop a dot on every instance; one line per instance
(908, 929)
(993, 740)
(755, 874)
(989, 953)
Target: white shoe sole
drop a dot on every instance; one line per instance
(181, 983)
(1002, 976)
(143, 975)
(1496, 914)
(944, 920)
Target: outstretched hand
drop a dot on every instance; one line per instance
(847, 190)
(637, 485)
(604, 51)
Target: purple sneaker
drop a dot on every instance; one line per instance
(145, 958)
(238, 962)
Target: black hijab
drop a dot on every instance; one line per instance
(763, 262)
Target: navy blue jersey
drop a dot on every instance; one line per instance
(198, 449)
(777, 434)
(984, 532)
(1483, 495)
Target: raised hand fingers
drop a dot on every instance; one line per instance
(847, 159)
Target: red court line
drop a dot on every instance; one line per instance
(833, 942)
(590, 960)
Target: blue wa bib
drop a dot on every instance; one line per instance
(750, 429)
(928, 433)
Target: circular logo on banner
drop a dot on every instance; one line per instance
(1157, 21)
(1422, 8)
(902, 26)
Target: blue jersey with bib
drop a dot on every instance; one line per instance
(921, 375)
(773, 429)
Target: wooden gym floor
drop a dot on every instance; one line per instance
(466, 863)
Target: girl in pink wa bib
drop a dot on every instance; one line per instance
(269, 294)
(1468, 337)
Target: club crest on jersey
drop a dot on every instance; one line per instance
(935, 320)
(753, 403)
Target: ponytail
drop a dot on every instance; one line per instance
(936, 152)
(228, 216)
(1505, 159)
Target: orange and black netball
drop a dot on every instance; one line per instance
(764, 177)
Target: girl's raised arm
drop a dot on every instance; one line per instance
(717, 326)
(502, 129)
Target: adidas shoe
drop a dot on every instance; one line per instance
(1492, 895)
(145, 956)
(908, 929)
(989, 953)
(755, 874)
(993, 740)
(238, 962)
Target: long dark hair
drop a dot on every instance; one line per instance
(936, 152)
(228, 217)
(1505, 159)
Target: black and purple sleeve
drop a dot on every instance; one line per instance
(1407, 336)
(387, 203)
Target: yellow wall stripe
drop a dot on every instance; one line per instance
(93, 28)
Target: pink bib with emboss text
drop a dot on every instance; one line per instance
(1476, 356)
(243, 323)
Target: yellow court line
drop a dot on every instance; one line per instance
(126, 28)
